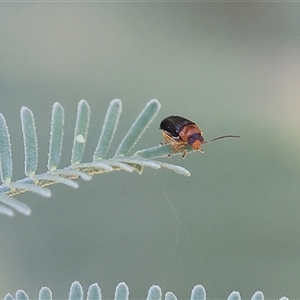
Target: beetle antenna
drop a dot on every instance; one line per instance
(222, 137)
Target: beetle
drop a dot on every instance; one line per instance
(179, 132)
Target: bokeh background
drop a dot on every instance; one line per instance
(231, 67)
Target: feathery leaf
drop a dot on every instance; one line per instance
(30, 141)
(72, 174)
(21, 295)
(258, 295)
(109, 128)
(56, 136)
(8, 297)
(22, 186)
(16, 204)
(37, 183)
(45, 294)
(138, 127)
(6, 211)
(5, 150)
(58, 179)
(81, 130)
(154, 293)
(198, 293)
(76, 291)
(234, 296)
(121, 292)
(170, 296)
(94, 292)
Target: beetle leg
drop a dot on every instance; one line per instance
(183, 154)
(175, 144)
(168, 138)
(178, 148)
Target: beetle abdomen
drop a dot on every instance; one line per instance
(174, 124)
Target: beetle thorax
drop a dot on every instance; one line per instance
(192, 135)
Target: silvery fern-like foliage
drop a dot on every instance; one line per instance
(122, 160)
(122, 293)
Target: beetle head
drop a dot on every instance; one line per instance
(195, 141)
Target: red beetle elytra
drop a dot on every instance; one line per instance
(179, 132)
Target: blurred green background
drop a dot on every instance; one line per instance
(233, 68)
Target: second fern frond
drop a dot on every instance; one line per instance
(37, 183)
